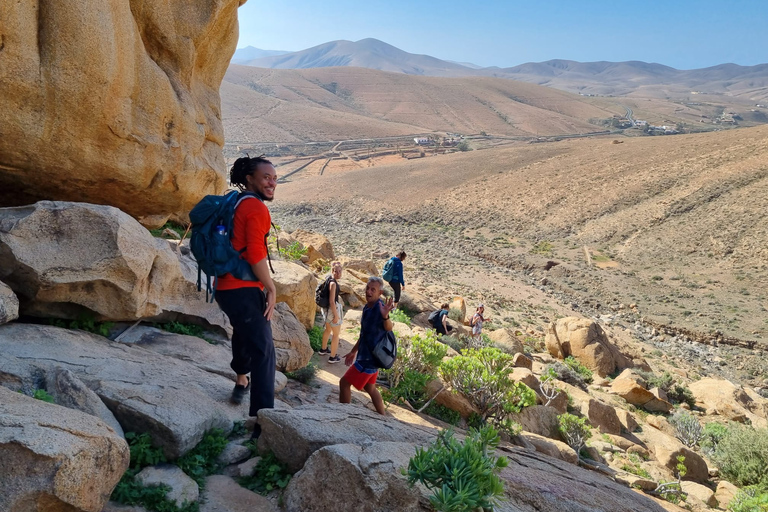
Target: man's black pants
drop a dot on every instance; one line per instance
(253, 350)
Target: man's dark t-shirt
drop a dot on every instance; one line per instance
(371, 331)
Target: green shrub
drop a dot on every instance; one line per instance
(84, 322)
(43, 395)
(315, 338)
(687, 428)
(711, 436)
(201, 461)
(482, 375)
(454, 341)
(293, 252)
(410, 388)
(565, 374)
(304, 375)
(742, 455)
(576, 365)
(178, 228)
(268, 475)
(456, 315)
(463, 477)
(680, 394)
(443, 413)
(398, 315)
(421, 353)
(750, 499)
(185, 329)
(143, 453)
(574, 430)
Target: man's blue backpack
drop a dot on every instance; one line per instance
(211, 240)
(387, 273)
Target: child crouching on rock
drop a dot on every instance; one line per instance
(373, 326)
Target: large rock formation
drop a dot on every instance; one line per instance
(175, 402)
(69, 259)
(585, 340)
(55, 459)
(296, 287)
(9, 304)
(317, 245)
(732, 402)
(114, 102)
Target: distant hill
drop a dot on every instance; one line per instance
(250, 53)
(293, 105)
(597, 78)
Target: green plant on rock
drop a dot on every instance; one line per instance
(463, 476)
(482, 376)
(576, 365)
(178, 228)
(315, 337)
(293, 252)
(143, 452)
(305, 375)
(43, 395)
(443, 413)
(750, 499)
(742, 455)
(673, 491)
(456, 315)
(687, 428)
(85, 322)
(711, 436)
(202, 460)
(566, 374)
(185, 329)
(399, 315)
(410, 388)
(268, 475)
(420, 353)
(574, 430)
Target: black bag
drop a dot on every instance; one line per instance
(434, 317)
(385, 351)
(323, 293)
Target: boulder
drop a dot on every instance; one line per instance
(9, 304)
(633, 390)
(370, 476)
(449, 398)
(460, 304)
(534, 481)
(183, 489)
(294, 434)
(700, 492)
(725, 492)
(505, 339)
(585, 340)
(292, 346)
(55, 458)
(68, 259)
(234, 453)
(627, 419)
(223, 494)
(732, 402)
(174, 401)
(317, 246)
(602, 416)
(538, 419)
(551, 447)
(115, 103)
(416, 302)
(361, 267)
(696, 466)
(69, 391)
(210, 357)
(296, 287)
(522, 361)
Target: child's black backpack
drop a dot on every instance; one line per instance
(434, 317)
(323, 293)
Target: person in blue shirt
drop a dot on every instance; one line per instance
(397, 282)
(374, 325)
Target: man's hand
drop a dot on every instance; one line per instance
(350, 358)
(271, 296)
(386, 307)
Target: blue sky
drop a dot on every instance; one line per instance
(680, 33)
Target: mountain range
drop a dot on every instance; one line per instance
(592, 78)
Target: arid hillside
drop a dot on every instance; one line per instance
(267, 105)
(676, 225)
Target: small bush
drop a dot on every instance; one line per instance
(398, 315)
(576, 365)
(456, 315)
(43, 395)
(750, 499)
(185, 329)
(201, 461)
(482, 375)
(443, 413)
(711, 436)
(687, 428)
(304, 375)
(462, 476)
(420, 353)
(565, 374)
(453, 341)
(143, 453)
(268, 475)
(293, 252)
(85, 322)
(574, 430)
(742, 455)
(315, 338)
(410, 388)
(676, 393)
(178, 228)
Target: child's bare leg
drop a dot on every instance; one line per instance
(326, 335)
(378, 402)
(345, 391)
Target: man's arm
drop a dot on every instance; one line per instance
(350, 357)
(261, 270)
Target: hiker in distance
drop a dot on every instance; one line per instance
(439, 319)
(373, 327)
(477, 322)
(332, 315)
(393, 274)
(250, 304)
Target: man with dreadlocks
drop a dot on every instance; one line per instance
(250, 304)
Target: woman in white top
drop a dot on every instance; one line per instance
(477, 322)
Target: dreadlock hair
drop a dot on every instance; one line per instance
(245, 166)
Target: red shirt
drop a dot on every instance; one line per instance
(251, 228)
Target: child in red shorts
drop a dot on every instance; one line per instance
(373, 325)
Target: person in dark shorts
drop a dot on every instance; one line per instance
(396, 281)
(374, 325)
(440, 322)
(250, 304)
